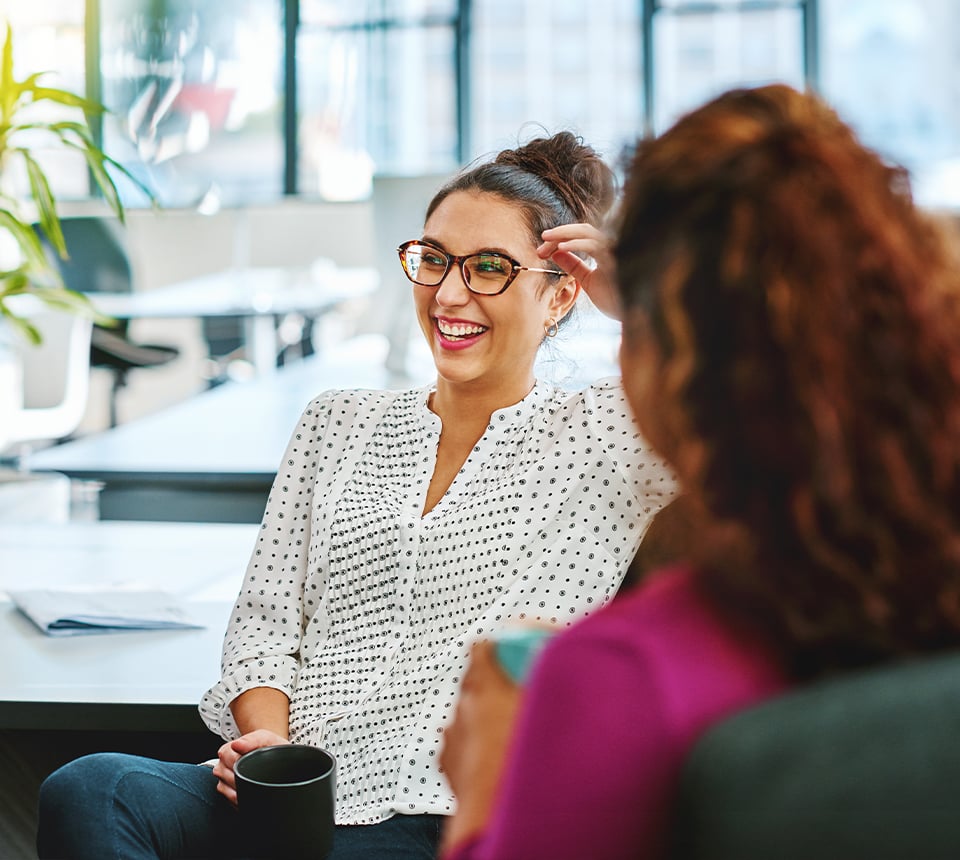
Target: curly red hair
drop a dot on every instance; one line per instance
(807, 318)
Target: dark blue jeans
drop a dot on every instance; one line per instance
(112, 805)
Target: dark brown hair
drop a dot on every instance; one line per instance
(554, 180)
(806, 315)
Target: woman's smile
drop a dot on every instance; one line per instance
(457, 334)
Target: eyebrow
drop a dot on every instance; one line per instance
(503, 252)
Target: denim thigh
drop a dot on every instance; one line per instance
(113, 805)
(403, 837)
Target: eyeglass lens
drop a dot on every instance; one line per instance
(484, 273)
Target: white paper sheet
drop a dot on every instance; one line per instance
(69, 613)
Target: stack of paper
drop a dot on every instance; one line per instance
(67, 613)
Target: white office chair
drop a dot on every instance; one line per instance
(56, 380)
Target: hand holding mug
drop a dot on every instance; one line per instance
(230, 752)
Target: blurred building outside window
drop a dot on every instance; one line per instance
(195, 91)
(196, 87)
(892, 69)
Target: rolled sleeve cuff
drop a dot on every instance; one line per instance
(278, 673)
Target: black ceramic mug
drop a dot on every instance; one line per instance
(285, 797)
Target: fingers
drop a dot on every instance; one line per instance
(484, 657)
(582, 238)
(228, 754)
(575, 232)
(223, 770)
(573, 265)
(227, 791)
(567, 245)
(484, 670)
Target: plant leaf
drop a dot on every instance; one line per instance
(70, 300)
(97, 162)
(65, 127)
(116, 165)
(8, 90)
(14, 282)
(27, 239)
(45, 201)
(27, 328)
(35, 274)
(64, 97)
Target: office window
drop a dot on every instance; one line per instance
(383, 86)
(891, 67)
(552, 65)
(377, 93)
(195, 94)
(701, 49)
(50, 36)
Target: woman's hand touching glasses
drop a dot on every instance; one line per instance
(562, 245)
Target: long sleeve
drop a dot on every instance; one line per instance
(262, 641)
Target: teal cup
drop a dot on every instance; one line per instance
(517, 649)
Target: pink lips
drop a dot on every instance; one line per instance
(457, 343)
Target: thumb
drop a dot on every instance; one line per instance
(246, 743)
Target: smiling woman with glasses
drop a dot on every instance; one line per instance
(402, 526)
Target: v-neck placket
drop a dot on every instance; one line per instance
(502, 429)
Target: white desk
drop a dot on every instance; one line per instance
(138, 680)
(211, 458)
(259, 295)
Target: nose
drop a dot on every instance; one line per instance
(453, 291)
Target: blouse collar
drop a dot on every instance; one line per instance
(502, 420)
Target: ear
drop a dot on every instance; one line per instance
(564, 298)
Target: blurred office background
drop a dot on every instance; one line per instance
(305, 137)
(267, 127)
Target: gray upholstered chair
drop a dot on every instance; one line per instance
(860, 767)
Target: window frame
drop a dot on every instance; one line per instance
(461, 23)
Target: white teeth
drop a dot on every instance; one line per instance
(459, 329)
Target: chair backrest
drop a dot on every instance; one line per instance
(861, 766)
(56, 378)
(98, 260)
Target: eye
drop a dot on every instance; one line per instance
(433, 258)
(491, 264)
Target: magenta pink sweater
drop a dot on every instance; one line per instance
(612, 707)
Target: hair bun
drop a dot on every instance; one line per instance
(576, 171)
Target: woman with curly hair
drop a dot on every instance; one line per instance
(790, 347)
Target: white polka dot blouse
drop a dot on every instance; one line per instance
(362, 609)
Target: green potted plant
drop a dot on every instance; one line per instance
(33, 273)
